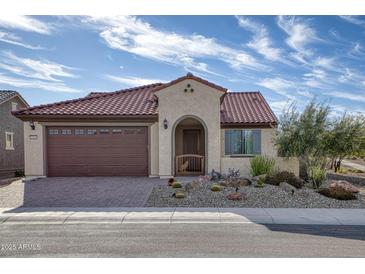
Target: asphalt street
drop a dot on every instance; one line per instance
(181, 240)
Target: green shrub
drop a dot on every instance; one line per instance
(284, 176)
(216, 188)
(19, 173)
(261, 165)
(260, 182)
(176, 185)
(180, 195)
(317, 175)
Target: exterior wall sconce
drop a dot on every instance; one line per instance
(31, 124)
(165, 124)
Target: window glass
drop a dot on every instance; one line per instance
(79, 131)
(248, 142)
(66, 131)
(9, 140)
(91, 132)
(241, 142)
(104, 131)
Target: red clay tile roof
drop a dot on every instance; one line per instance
(193, 77)
(237, 107)
(133, 101)
(246, 108)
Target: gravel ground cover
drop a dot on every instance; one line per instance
(268, 197)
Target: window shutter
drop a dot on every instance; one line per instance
(256, 134)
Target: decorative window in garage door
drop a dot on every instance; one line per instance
(53, 131)
(79, 131)
(104, 131)
(66, 131)
(133, 131)
(91, 132)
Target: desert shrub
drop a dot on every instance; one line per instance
(260, 182)
(180, 195)
(261, 165)
(176, 185)
(317, 175)
(283, 176)
(19, 173)
(216, 188)
(215, 175)
(232, 174)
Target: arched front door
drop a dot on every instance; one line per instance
(190, 147)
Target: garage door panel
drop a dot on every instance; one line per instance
(100, 154)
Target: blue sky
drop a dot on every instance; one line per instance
(54, 58)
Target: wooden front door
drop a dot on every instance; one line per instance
(191, 141)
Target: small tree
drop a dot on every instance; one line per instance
(301, 134)
(346, 137)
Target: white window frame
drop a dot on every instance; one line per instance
(14, 106)
(9, 146)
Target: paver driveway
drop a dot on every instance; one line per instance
(79, 192)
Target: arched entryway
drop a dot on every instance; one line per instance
(189, 146)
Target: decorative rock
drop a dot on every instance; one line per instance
(344, 185)
(235, 196)
(238, 182)
(193, 185)
(288, 188)
(179, 195)
(171, 181)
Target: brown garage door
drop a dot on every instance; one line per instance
(97, 151)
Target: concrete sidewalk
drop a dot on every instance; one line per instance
(305, 216)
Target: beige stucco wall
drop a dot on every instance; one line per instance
(174, 105)
(34, 150)
(267, 148)
(154, 150)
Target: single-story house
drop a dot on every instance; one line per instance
(188, 126)
(11, 134)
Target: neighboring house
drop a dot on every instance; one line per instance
(11, 134)
(186, 127)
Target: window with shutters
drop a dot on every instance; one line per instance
(242, 142)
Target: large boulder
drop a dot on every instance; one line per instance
(344, 185)
(341, 190)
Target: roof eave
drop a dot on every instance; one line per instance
(249, 125)
(60, 117)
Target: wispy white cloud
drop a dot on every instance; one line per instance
(300, 34)
(36, 84)
(25, 23)
(133, 81)
(347, 95)
(353, 19)
(31, 68)
(261, 41)
(136, 36)
(16, 40)
(279, 85)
